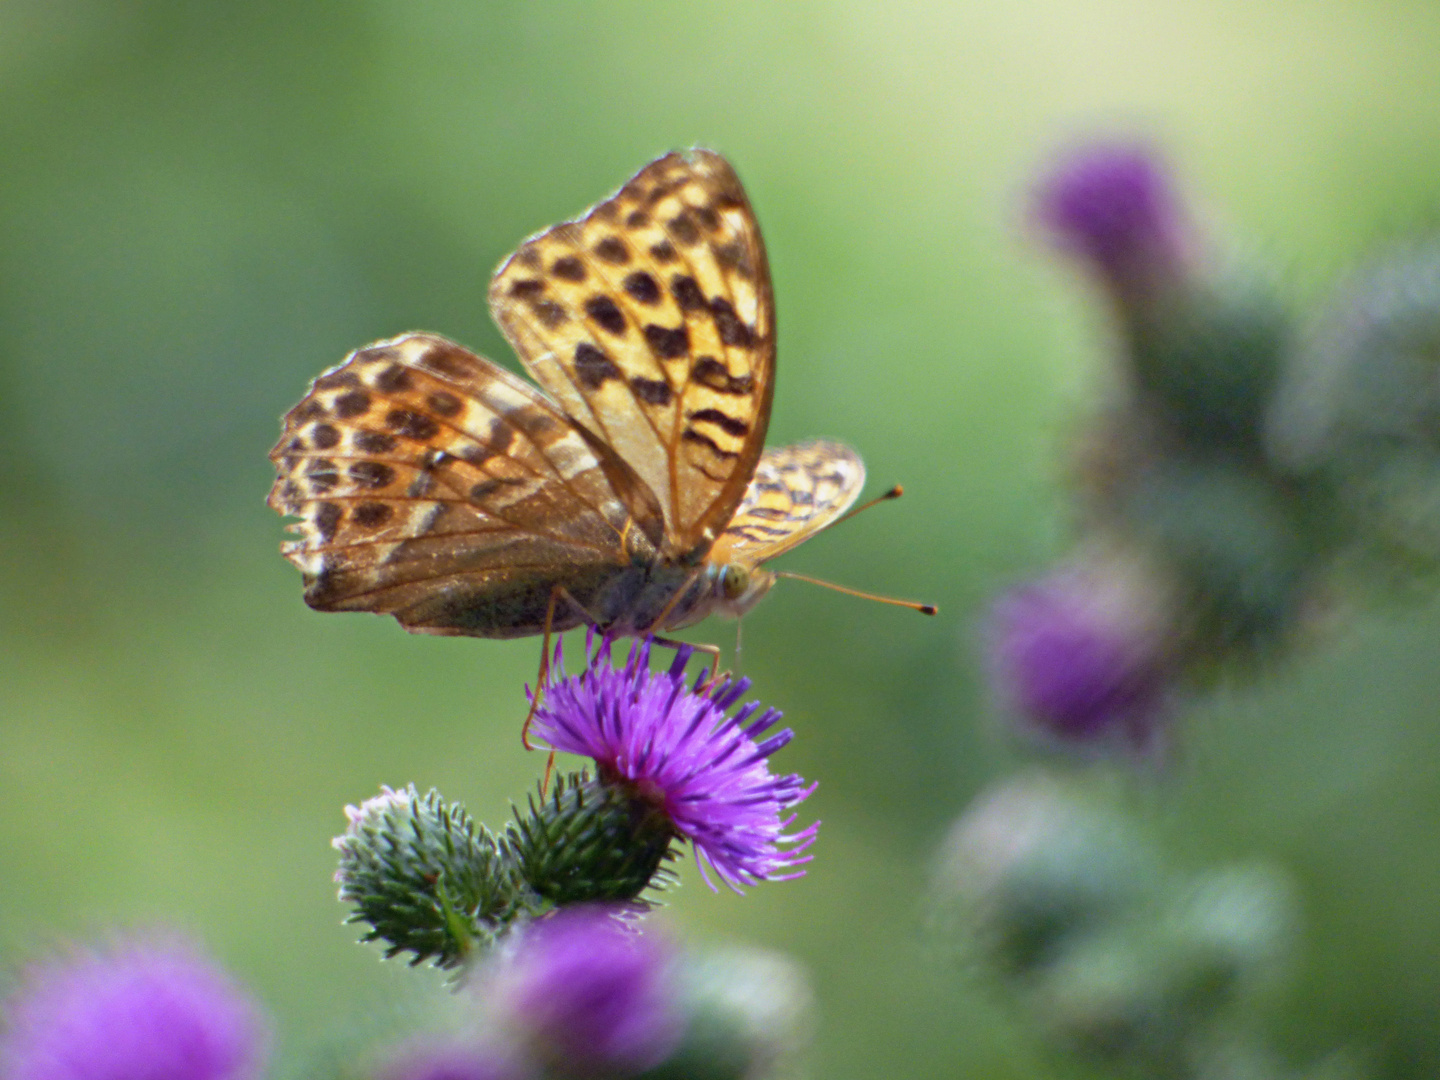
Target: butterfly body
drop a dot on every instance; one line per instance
(636, 495)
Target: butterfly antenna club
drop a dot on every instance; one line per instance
(924, 609)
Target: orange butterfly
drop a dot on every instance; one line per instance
(637, 496)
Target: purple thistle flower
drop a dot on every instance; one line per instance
(144, 1010)
(674, 747)
(1113, 205)
(1079, 656)
(589, 994)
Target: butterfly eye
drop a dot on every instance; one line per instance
(734, 580)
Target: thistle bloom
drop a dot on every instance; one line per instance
(1078, 656)
(145, 1010)
(1112, 204)
(589, 994)
(675, 747)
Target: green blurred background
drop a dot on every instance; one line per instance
(203, 205)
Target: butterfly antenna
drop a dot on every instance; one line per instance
(924, 609)
(894, 493)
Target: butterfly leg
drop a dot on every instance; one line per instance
(557, 594)
(712, 651)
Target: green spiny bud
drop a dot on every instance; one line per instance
(1237, 548)
(1035, 862)
(1239, 922)
(1207, 358)
(1126, 995)
(427, 879)
(749, 1014)
(1359, 403)
(591, 840)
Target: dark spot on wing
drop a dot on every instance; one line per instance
(324, 436)
(662, 251)
(449, 360)
(370, 515)
(568, 267)
(444, 403)
(726, 423)
(711, 373)
(613, 250)
(411, 425)
(732, 330)
(691, 435)
(668, 342)
(637, 219)
(372, 442)
(593, 366)
(321, 474)
(642, 287)
(393, 379)
(603, 311)
(651, 391)
(549, 313)
(327, 520)
(352, 404)
(336, 379)
(527, 287)
(483, 490)
(686, 291)
(735, 256)
(683, 228)
(371, 474)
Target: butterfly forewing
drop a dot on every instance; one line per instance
(797, 491)
(433, 485)
(651, 320)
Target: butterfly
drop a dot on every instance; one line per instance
(633, 493)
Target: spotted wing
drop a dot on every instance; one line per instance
(434, 486)
(796, 492)
(651, 320)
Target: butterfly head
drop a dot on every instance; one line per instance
(738, 587)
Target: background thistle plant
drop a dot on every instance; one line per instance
(206, 202)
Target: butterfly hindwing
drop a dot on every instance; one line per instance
(797, 491)
(652, 322)
(435, 486)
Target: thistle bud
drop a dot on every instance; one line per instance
(1203, 349)
(1239, 923)
(1032, 864)
(1236, 548)
(1146, 993)
(589, 840)
(749, 1016)
(1207, 359)
(424, 876)
(1359, 404)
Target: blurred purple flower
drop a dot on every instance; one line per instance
(451, 1059)
(1113, 205)
(675, 748)
(144, 1010)
(1078, 655)
(590, 994)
